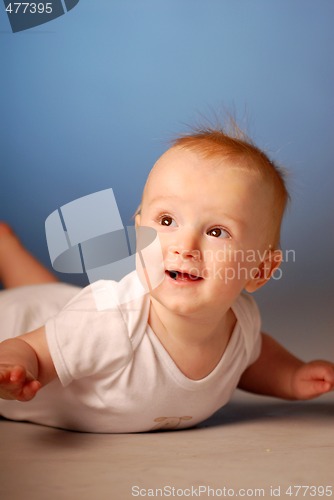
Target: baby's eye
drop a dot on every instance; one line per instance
(167, 220)
(218, 232)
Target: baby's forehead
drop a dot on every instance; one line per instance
(178, 159)
(179, 171)
(178, 162)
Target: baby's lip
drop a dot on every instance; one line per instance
(183, 275)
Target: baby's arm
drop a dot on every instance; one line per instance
(278, 373)
(25, 366)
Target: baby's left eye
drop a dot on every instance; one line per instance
(218, 232)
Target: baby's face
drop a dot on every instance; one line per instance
(213, 225)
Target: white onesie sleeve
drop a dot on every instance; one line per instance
(84, 341)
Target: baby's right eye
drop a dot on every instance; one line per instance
(167, 220)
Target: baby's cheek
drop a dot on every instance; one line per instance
(149, 258)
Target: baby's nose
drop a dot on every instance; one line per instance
(187, 245)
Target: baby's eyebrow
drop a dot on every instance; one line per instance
(230, 219)
(166, 197)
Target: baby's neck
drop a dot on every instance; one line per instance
(195, 344)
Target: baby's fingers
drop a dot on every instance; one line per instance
(323, 371)
(24, 385)
(5, 373)
(10, 373)
(318, 387)
(17, 375)
(17, 383)
(317, 377)
(29, 391)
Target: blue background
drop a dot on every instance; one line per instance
(91, 99)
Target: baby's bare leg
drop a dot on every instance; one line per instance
(17, 266)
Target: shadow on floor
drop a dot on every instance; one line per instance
(242, 412)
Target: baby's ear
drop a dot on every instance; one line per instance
(265, 270)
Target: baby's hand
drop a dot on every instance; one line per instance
(17, 383)
(313, 379)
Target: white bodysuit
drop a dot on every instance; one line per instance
(114, 374)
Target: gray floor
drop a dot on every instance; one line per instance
(256, 444)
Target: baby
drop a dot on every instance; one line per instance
(172, 357)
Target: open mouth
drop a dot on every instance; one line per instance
(180, 276)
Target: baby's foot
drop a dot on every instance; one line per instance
(17, 266)
(8, 239)
(5, 230)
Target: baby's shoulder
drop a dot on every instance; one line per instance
(124, 302)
